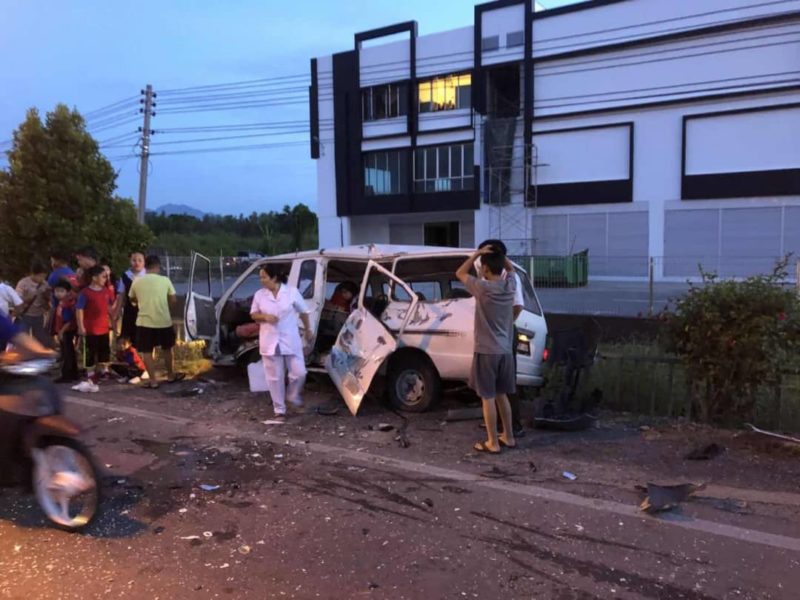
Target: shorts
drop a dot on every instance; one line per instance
(98, 349)
(148, 338)
(493, 374)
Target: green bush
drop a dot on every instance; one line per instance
(735, 338)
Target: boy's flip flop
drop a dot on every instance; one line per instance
(176, 378)
(504, 445)
(482, 447)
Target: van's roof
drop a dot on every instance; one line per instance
(369, 251)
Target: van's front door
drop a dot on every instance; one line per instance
(364, 342)
(199, 312)
(308, 276)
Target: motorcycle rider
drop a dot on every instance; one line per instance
(25, 345)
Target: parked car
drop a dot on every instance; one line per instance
(412, 321)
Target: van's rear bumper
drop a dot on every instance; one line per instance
(530, 380)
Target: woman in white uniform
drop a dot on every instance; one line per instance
(276, 307)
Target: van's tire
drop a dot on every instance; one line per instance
(412, 382)
(253, 356)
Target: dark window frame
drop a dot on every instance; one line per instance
(444, 182)
(393, 162)
(462, 93)
(392, 97)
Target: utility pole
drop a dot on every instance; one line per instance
(147, 110)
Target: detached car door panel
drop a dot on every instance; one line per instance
(364, 343)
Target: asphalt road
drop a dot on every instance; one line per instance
(331, 507)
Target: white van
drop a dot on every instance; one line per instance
(412, 321)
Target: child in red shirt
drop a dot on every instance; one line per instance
(129, 365)
(94, 305)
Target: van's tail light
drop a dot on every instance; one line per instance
(545, 354)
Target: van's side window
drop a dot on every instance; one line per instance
(305, 282)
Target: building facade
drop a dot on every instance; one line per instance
(648, 132)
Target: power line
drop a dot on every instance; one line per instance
(230, 137)
(114, 125)
(103, 109)
(666, 59)
(232, 148)
(111, 121)
(236, 84)
(669, 20)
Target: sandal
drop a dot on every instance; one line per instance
(482, 447)
(150, 385)
(176, 377)
(505, 445)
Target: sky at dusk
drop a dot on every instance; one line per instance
(89, 54)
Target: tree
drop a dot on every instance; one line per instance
(58, 192)
(735, 339)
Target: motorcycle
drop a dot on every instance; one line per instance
(40, 448)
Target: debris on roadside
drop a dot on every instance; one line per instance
(187, 390)
(662, 498)
(731, 505)
(779, 436)
(209, 488)
(385, 427)
(532, 466)
(568, 475)
(245, 549)
(705, 452)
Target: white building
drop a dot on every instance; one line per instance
(633, 128)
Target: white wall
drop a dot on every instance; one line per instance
(384, 63)
(445, 119)
(757, 141)
(678, 69)
(501, 22)
(643, 18)
(384, 127)
(326, 167)
(584, 155)
(445, 52)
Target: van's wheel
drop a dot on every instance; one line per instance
(412, 383)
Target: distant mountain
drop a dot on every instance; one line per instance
(179, 209)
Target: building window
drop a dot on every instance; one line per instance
(384, 173)
(384, 101)
(445, 93)
(443, 168)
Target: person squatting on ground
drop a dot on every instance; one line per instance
(65, 328)
(129, 366)
(493, 375)
(94, 321)
(153, 294)
(276, 307)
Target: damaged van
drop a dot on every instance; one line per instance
(406, 319)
